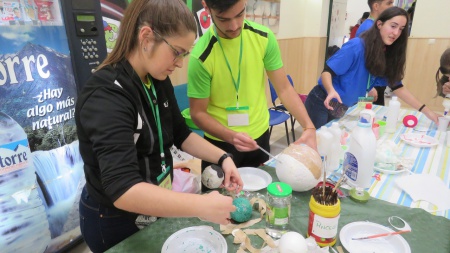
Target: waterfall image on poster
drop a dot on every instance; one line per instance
(41, 170)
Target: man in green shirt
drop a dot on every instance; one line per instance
(226, 84)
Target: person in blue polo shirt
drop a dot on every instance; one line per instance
(376, 58)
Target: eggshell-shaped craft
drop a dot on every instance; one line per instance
(299, 166)
(243, 211)
(292, 242)
(213, 176)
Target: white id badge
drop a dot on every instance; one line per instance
(238, 119)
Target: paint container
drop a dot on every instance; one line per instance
(323, 222)
(278, 208)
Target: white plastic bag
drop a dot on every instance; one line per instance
(186, 182)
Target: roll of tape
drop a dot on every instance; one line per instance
(410, 121)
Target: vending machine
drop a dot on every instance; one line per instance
(48, 49)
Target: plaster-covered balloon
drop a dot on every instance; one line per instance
(213, 176)
(299, 166)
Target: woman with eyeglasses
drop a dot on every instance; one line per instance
(127, 120)
(443, 83)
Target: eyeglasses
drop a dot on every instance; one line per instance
(178, 55)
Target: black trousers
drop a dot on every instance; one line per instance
(242, 159)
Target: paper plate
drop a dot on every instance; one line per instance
(195, 239)
(393, 243)
(254, 179)
(419, 140)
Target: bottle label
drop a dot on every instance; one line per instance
(14, 156)
(350, 166)
(324, 227)
(278, 215)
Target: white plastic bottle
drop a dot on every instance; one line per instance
(446, 104)
(336, 150)
(359, 159)
(24, 224)
(392, 115)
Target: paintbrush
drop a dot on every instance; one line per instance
(269, 154)
(382, 235)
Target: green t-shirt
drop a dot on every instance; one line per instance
(209, 76)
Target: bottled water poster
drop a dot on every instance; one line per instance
(41, 171)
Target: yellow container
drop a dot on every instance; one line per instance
(323, 222)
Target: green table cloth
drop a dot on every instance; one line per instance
(429, 233)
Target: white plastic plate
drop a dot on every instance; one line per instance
(195, 239)
(254, 179)
(392, 243)
(419, 140)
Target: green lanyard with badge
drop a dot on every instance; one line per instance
(163, 179)
(236, 115)
(362, 101)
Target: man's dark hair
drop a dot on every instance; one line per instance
(220, 5)
(371, 2)
(386, 61)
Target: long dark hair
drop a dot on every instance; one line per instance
(386, 61)
(445, 70)
(168, 17)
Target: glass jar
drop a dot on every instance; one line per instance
(278, 208)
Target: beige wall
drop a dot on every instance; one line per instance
(431, 19)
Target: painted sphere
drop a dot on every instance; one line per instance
(299, 166)
(243, 211)
(213, 176)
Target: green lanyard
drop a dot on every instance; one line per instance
(368, 85)
(236, 83)
(153, 104)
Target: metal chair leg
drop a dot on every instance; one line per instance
(287, 132)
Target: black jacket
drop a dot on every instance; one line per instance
(111, 111)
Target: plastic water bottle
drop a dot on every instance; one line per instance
(336, 150)
(24, 225)
(392, 115)
(359, 159)
(446, 104)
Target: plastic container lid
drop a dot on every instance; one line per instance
(279, 189)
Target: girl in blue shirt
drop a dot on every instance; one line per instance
(377, 58)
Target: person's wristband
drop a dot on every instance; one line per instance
(306, 128)
(421, 108)
(223, 157)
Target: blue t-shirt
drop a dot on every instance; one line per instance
(352, 77)
(364, 26)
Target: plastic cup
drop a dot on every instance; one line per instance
(376, 130)
(443, 124)
(382, 127)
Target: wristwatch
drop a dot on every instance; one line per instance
(223, 157)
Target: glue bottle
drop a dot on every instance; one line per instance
(359, 159)
(368, 110)
(392, 115)
(446, 104)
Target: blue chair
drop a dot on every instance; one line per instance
(281, 107)
(183, 102)
(277, 117)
